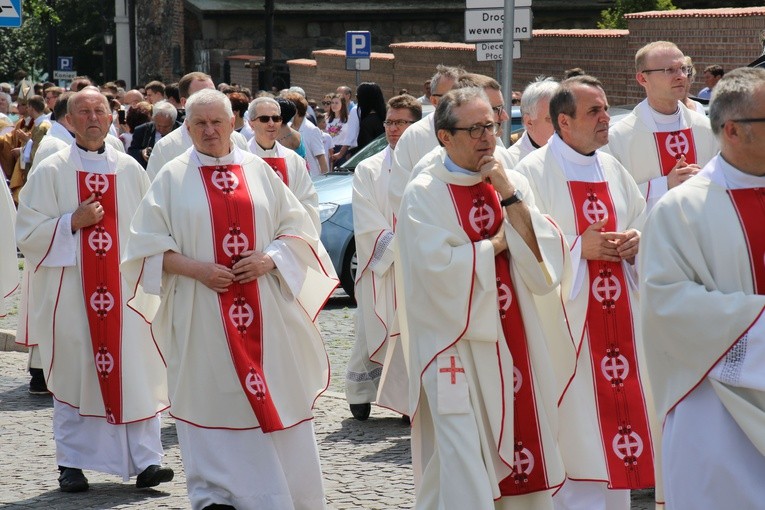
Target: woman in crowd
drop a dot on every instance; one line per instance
(371, 108)
(337, 122)
(289, 137)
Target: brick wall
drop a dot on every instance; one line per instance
(159, 28)
(729, 37)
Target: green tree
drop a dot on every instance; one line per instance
(79, 26)
(614, 17)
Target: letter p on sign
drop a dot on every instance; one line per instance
(358, 44)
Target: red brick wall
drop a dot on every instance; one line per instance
(729, 37)
(159, 27)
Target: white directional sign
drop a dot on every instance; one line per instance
(494, 4)
(10, 13)
(486, 24)
(63, 75)
(491, 51)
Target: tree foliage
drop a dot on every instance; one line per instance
(79, 27)
(614, 17)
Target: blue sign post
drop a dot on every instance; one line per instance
(64, 63)
(10, 13)
(358, 49)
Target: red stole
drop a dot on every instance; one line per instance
(481, 216)
(101, 287)
(750, 208)
(232, 215)
(672, 145)
(621, 407)
(280, 167)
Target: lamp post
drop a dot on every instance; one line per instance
(108, 41)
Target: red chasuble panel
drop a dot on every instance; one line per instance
(481, 217)
(619, 398)
(672, 145)
(101, 286)
(750, 207)
(280, 167)
(233, 224)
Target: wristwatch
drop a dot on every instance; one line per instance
(512, 199)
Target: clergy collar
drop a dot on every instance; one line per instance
(101, 150)
(569, 154)
(736, 179)
(206, 160)
(272, 148)
(663, 118)
(531, 140)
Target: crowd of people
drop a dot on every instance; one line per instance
(561, 321)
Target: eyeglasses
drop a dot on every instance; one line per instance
(397, 123)
(670, 71)
(265, 118)
(326, 102)
(498, 110)
(748, 120)
(477, 131)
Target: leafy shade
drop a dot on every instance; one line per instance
(614, 17)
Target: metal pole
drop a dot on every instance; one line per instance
(358, 77)
(268, 65)
(508, 33)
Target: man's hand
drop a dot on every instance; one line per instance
(214, 276)
(498, 241)
(494, 173)
(88, 213)
(253, 265)
(597, 245)
(22, 135)
(627, 245)
(681, 172)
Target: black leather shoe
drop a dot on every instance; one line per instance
(361, 411)
(37, 384)
(218, 506)
(153, 476)
(72, 480)
(405, 420)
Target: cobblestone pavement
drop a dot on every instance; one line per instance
(366, 465)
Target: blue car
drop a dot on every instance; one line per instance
(335, 191)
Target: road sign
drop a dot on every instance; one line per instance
(64, 63)
(494, 4)
(64, 75)
(357, 64)
(357, 44)
(486, 24)
(490, 51)
(10, 13)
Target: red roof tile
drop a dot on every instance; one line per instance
(730, 12)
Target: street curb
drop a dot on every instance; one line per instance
(8, 342)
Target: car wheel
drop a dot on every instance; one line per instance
(348, 273)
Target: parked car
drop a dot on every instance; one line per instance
(335, 191)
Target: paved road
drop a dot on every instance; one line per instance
(366, 465)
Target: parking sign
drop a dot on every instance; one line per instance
(357, 44)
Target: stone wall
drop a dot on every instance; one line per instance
(729, 37)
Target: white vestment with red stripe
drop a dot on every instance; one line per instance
(205, 390)
(702, 312)
(58, 319)
(450, 285)
(9, 269)
(549, 170)
(632, 142)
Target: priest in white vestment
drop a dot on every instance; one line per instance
(266, 120)
(59, 137)
(702, 301)
(607, 407)
(233, 297)
(377, 352)
(100, 360)
(178, 141)
(420, 138)
(9, 270)
(474, 252)
(662, 143)
(535, 114)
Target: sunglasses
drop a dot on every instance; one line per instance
(265, 118)
(326, 102)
